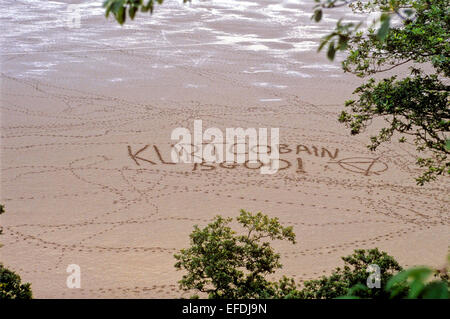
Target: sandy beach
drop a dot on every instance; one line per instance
(77, 103)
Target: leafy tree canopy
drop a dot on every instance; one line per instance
(413, 283)
(345, 280)
(224, 263)
(11, 286)
(415, 108)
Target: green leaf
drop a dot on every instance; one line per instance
(121, 15)
(331, 53)
(418, 276)
(416, 288)
(317, 15)
(436, 290)
(132, 12)
(384, 28)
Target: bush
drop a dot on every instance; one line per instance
(351, 279)
(11, 286)
(224, 264)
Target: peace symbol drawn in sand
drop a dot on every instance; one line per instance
(362, 165)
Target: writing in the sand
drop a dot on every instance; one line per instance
(152, 155)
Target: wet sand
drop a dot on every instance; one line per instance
(75, 101)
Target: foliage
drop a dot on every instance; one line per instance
(351, 279)
(10, 283)
(416, 279)
(350, 282)
(226, 264)
(415, 282)
(344, 32)
(414, 107)
(120, 8)
(11, 286)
